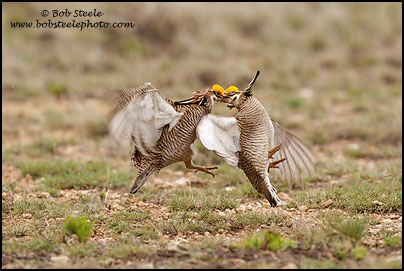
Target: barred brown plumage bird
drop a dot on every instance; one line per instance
(251, 139)
(162, 130)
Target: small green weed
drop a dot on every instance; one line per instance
(359, 252)
(79, 226)
(267, 240)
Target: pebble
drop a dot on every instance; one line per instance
(302, 208)
(172, 245)
(378, 202)
(116, 206)
(238, 261)
(26, 216)
(327, 203)
(290, 266)
(44, 195)
(145, 266)
(284, 196)
(60, 260)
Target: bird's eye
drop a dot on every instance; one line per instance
(217, 93)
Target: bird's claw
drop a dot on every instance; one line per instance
(271, 153)
(274, 150)
(274, 163)
(206, 170)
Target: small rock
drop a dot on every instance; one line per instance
(353, 146)
(116, 206)
(238, 261)
(132, 200)
(327, 203)
(17, 189)
(206, 233)
(145, 266)
(221, 230)
(290, 266)
(198, 237)
(60, 260)
(378, 203)
(302, 208)
(221, 213)
(172, 245)
(26, 216)
(374, 231)
(375, 216)
(181, 181)
(28, 177)
(284, 196)
(306, 93)
(229, 188)
(240, 209)
(369, 242)
(43, 195)
(230, 211)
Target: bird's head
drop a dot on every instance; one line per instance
(217, 94)
(232, 95)
(202, 98)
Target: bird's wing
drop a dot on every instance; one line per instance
(141, 115)
(296, 152)
(220, 135)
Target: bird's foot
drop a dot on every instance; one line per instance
(206, 170)
(274, 163)
(274, 150)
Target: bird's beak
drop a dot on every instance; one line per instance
(199, 100)
(191, 100)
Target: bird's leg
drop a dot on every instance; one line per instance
(190, 165)
(271, 153)
(141, 179)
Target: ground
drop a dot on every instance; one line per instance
(331, 73)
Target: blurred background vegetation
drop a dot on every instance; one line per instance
(330, 71)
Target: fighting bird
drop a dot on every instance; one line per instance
(251, 139)
(162, 130)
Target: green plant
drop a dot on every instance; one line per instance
(268, 240)
(79, 226)
(57, 89)
(359, 252)
(392, 240)
(351, 228)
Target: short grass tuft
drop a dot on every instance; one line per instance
(80, 227)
